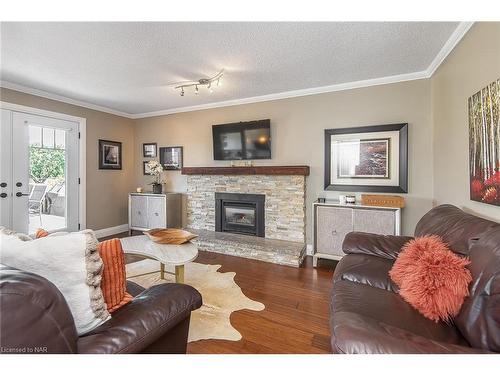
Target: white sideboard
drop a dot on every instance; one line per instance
(148, 211)
(332, 221)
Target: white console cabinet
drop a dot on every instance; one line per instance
(147, 211)
(332, 221)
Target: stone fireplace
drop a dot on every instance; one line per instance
(240, 213)
(283, 190)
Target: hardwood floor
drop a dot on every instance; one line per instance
(295, 319)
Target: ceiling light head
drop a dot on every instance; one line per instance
(202, 82)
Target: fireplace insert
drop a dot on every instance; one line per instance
(240, 213)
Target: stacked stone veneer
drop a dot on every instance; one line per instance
(285, 201)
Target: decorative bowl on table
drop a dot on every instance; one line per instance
(170, 236)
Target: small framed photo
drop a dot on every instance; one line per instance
(145, 168)
(149, 150)
(110, 154)
(171, 158)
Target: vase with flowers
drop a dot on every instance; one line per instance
(155, 170)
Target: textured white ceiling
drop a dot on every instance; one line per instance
(130, 67)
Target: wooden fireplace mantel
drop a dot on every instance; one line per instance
(302, 170)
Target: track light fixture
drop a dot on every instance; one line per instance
(202, 82)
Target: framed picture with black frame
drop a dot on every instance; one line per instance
(367, 158)
(171, 158)
(149, 150)
(110, 155)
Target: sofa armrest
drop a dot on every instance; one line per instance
(374, 244)
(143, 321)
(34, 316)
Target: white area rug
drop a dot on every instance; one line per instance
(221, 296)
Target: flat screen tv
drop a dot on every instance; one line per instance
(242, 140)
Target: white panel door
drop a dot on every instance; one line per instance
(139, 211)
(45, 173)
(332, 225)
(156, 212)
(374, 221)
(6, 169)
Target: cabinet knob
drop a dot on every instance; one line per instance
(156, 213)
(334, 232)
(138, 212)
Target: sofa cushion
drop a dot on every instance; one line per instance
(457, 228)
(479, 318)
(358, 306)
(366, 269)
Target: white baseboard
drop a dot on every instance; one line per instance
(309, 249)
(111, 231)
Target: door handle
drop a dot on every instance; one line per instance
(19, 184)
(3, 195)
(19, 194)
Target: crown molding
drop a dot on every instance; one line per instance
(291, 94)
(60, 98)
(452, 41)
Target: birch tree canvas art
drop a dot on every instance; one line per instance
(484, 144)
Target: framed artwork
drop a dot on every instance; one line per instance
(171, 158)
(367, 158)
(110, 154)
(149, 150)
(484, 144)
(146, 171)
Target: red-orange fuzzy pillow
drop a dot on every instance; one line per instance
(431, 278)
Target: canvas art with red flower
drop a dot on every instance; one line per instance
(484, 144)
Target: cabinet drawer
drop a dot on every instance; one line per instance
(332, 224)
(374, 221)
(156, 212)
(138, 211)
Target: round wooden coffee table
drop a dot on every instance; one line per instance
(175, 255)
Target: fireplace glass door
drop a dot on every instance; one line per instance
(240, 217)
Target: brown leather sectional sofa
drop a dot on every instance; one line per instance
(369, 316)
(35, 316)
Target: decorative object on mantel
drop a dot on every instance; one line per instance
(208, 82)
(154, 169)
(300, 170)
(382, 200)
(149, 150)
(139, 190)
(171, 158)
(367, 158)
(110, 154)
(484, 144)
(170, 236)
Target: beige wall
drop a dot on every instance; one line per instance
(106, 190)
(297, 132)
(474, 63)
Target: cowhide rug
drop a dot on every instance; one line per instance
(221, 296)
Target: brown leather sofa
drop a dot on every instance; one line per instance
(369, 316)
(35, 318)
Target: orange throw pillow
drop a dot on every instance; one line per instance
(113, 284)
(432, 278)
(40, 232)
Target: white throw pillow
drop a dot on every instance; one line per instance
(71, 262)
